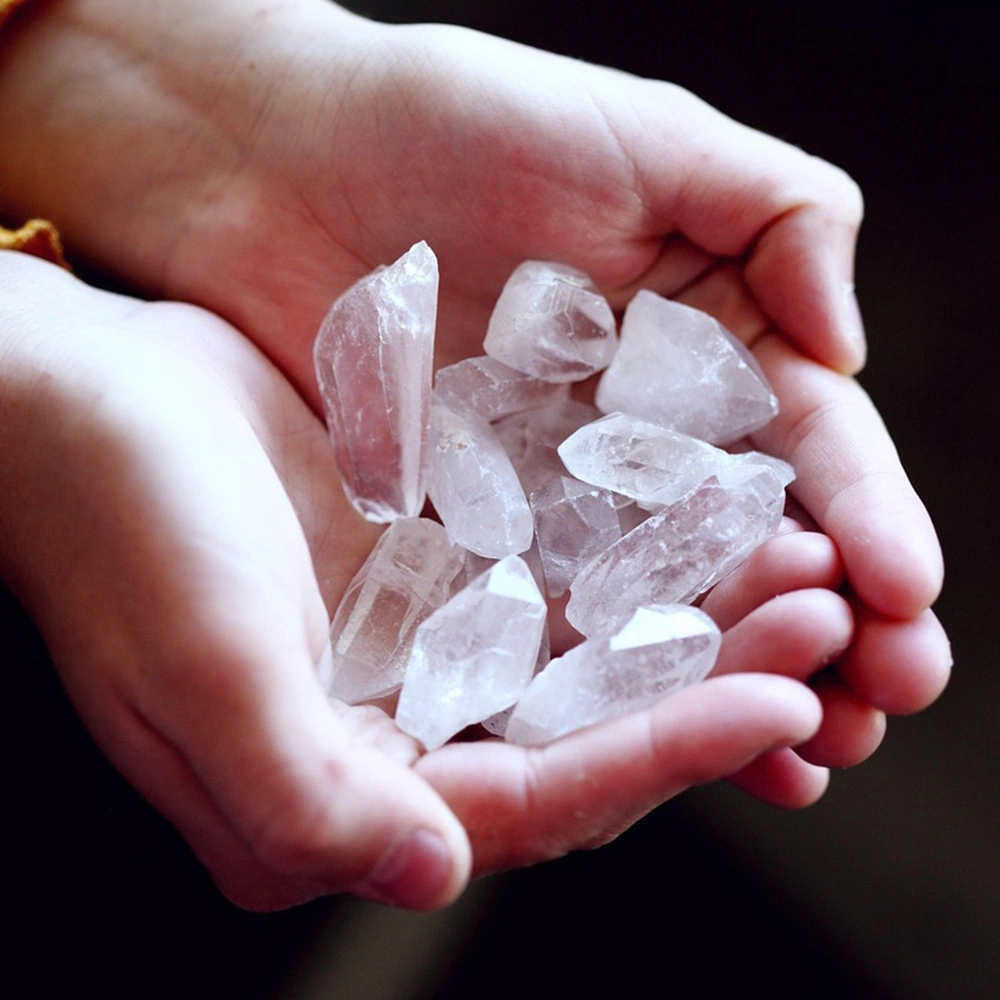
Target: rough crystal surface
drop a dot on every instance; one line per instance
(373, 357)
(474, 656)
(413, 569)
(551, 322)
(657, 651)
(492, 389)
(574, 523)
(679, 553)
(678, 367)
(473, 485)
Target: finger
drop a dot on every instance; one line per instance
(523, 806)
(795, 634)
(899, 667)
(723, 294)
(850, 479)
(852, 729)
(798, 560)
(782, 778)
(678, 265)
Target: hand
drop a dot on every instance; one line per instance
(173, 521)
(283, 154)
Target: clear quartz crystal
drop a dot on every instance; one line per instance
(648, 462)
(492, 389)
(655, 652)
(473, 485)
(678, 367)
(574, 523)
(551, 322)
(679, 553)
(373, 356)
(474, 656)
(413, 569)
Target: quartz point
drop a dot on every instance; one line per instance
(374, 354)
(658, 650)
(650, 463)
(474, 656)
(551, 322)
(678, 553)
(679, 367)
(492, 389)
(412, 571)
(574, 523)
(473, 485)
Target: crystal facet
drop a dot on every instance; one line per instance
(474, 656)
(373, 356)
(492, 389)
(413, 569)
(678, 367)
(679, 553)
(657, 651)
(473, 485)
(551, 322)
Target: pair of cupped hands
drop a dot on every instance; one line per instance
(171, 514)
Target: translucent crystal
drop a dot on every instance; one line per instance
(474, 656)
(530, 439)
(657, 651)
(413, 569)
(574, 522)
(473, 485)
(648, 462)
(373, 356)
(679, 553)
(551, 322)
(492, 389)
(678, 367)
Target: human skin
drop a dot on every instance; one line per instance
(255, 159)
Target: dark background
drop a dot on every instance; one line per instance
(889, 887)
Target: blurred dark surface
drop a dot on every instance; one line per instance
(889, 887)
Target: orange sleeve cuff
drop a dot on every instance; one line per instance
(37, 237)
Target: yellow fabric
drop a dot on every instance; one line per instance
(37, 237)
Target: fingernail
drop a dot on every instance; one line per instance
(413, 872)
(853, 325)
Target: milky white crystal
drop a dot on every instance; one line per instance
(413, 569)
(679, 553)
(679, 367)
(651, 463)
(574, 522)
(657, 651)
(373, 356)
(474, 656)
(551, 322)
(473, 485)
(493, 389)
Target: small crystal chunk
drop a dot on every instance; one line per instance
(657, 651)
(678, 367)
(492, 389)
(679, 553)
(474, 656)
(473, 485)
(413, 569)
(551, 322)
(373, 356)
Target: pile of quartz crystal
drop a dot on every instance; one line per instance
(634, 507)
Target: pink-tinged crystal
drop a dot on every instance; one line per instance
(657, 651)
(679, 367)
(474, 656)
(473, 485)
(373, 356)
(679, 553)
(492, 389)
(551, 322)
(412, 571)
